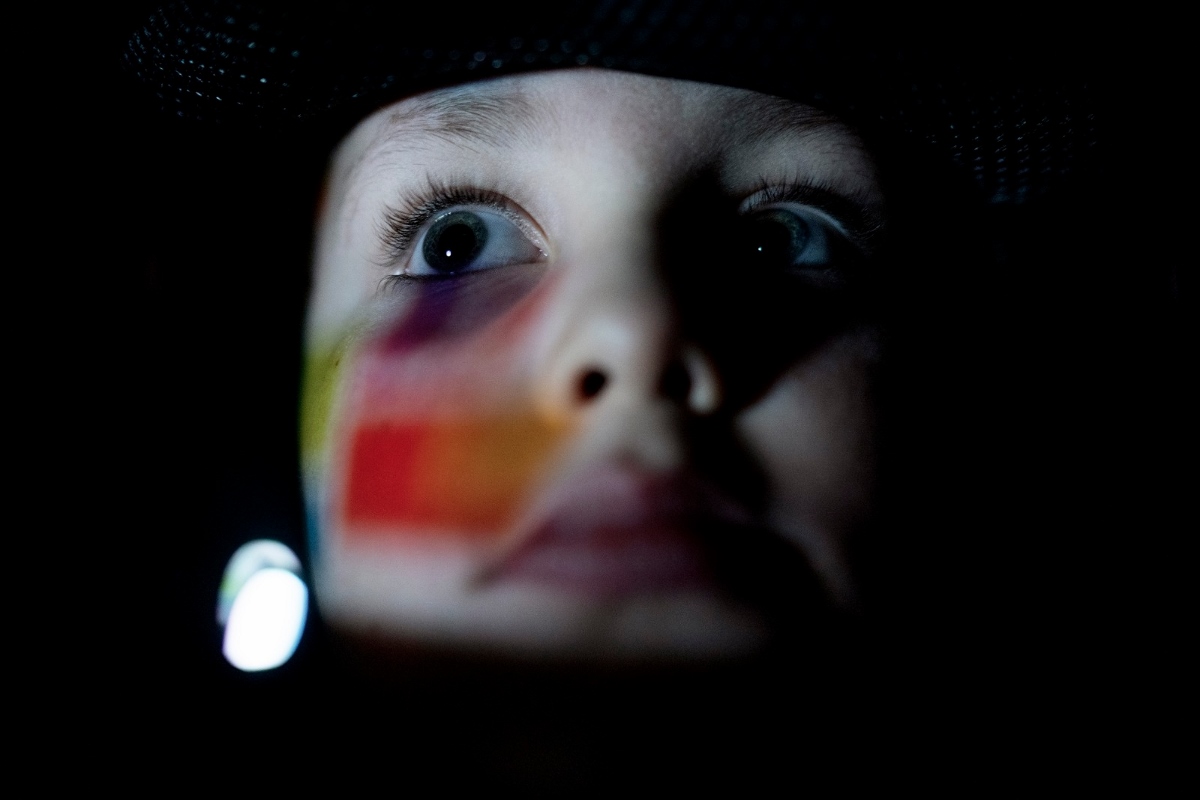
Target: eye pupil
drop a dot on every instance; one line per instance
(454, 241)
(775, 238)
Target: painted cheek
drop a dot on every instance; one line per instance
(322, 366)
(449, 309)
(437, 438)
(434, 478)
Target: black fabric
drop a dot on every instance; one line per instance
(1045, 387)
(1009, 96)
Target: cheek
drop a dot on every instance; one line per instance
(491, 308)
(464, 477)
(813, 433)
(429, 433)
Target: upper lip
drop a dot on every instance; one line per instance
(618, 529)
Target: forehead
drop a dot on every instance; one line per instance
(527, 109)
(540, 123)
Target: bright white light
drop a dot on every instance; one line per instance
(266, 620)
(249, 559)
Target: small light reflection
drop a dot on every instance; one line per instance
(263, 604)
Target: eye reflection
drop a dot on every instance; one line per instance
(785, 238)
(776, 238)
(454, 241)
(469, 240)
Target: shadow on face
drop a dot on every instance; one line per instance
(590, 370)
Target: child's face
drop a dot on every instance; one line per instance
(584, 374)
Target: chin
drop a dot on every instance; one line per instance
(448, 600)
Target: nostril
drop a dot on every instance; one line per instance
(676, 383)
(592, 384)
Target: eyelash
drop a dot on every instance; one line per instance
(857, 220)
(402, 223)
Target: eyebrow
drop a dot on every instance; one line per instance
(467, 117)
(497, 118)
(763, 117)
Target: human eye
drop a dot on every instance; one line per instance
(805, 232)
(450, 233)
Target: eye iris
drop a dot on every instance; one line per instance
(776, 238)
(454, 241)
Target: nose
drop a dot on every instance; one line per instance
(622, 345)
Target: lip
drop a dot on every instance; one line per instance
(615, 531)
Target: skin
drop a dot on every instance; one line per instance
(616, 348)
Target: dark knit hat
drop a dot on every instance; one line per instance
(1010, 97)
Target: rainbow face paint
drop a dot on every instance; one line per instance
(466, 477)
(524, 428)
(422, 429)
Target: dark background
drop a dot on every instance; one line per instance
(1038, 446)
